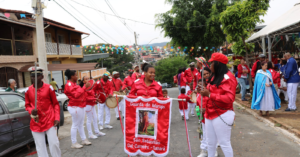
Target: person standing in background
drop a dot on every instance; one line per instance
(190, 75)
(136, 75)
(292, 78)
(257, 65)
(117, 86)
(54, 85)
(12, 86)
(243, 71)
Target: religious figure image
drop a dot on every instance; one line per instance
(146, 122)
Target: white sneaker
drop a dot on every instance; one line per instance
(100, 134)
(86, 142)
(101, 127)
(216, 154)
(193, 115)
(76, 145)
(203, 153)
(93, 137)
(108, 126)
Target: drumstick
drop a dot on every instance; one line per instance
(175, 99)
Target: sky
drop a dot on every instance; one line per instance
(110, 28)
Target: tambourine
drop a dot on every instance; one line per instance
(102, 98)
(92, 82)
(111, 102)
(193, 97)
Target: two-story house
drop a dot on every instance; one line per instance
(18, 49)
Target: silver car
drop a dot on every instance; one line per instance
(15, 122)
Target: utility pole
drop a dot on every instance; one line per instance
(137, 53)
(41, 48)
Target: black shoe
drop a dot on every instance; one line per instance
(118, 118)
(245, 99)
(182, 117)
(288, 109)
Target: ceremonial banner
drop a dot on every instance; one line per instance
(147, 126)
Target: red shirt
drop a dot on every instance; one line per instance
(90, 97)
(106, 86)
(139, 88)
(135, 76)
(221, 98)
(127, 83)
(47, 106)
(240, 69)
(204, 103)
(182, 83)
(189, 78)
(116, 84)
(189, 92)
(76, 94)
(253, 72)
(183, 104)
(275, 77)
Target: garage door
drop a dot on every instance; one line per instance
(58, 77)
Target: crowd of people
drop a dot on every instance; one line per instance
(214, 87)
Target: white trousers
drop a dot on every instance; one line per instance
(121, 108)
(40, 143)
(286, 98)
(218, 131)
(186, 112)
(187, 88)
(91, 117)
(78, 115)
(292, 94)
(203, 144)
(101, 108)
(192, 107)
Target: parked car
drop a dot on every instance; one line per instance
(63, 99)
(166, 85)
(15, 122)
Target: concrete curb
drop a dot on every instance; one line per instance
(286, 133)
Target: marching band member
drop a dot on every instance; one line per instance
(148, 86)
(48, 112)
(117, 86)
(183, 105)
(136, 75)
(77, 102)
(91, 115)
(127, 83)
(219, 114)
(104, 86)
(191, 105)
(190, 75)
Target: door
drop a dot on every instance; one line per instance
(58, 75)
(6, 134)
(48, 37)
(20, 119)
(7, 73)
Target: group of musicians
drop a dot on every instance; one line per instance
(218, 90)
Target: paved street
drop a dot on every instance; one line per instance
(249, 138)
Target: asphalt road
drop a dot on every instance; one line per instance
(250, 138)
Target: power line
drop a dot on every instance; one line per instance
(93, 23)
(80, 21)
(136, 20)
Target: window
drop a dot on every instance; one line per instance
(61, 39)
(23, 48)
(48, 37)
(5, 47)
(14, 103)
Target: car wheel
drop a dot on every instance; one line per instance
(65, 106)
(62, 116)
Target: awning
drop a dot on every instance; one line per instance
(287, 23)
(62, 67)
(67, 28)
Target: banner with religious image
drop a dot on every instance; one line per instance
(147, 126)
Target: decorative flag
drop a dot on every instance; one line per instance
(147, 126)
(22, 15)
(7, 15)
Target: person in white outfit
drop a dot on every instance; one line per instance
(76, 106)
(91, 111)
(283, 89)
(117, 87)
(104, 86)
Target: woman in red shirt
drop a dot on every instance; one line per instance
(243, 71)
(219, 114)
(90, 110)
(147, 87)
(275, 75)
(77, 103)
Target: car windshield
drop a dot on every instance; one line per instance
(164, 84)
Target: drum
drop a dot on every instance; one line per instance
(111, 102)
(92, 82)
(102, 97)
(194, 97)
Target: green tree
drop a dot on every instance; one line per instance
(239, 20)
(167, 68)
(193, 23)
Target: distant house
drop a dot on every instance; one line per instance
(18, 49)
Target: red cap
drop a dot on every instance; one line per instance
(218, 57)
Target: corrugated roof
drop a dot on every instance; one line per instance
(3, 18)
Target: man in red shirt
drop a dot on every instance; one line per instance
(104, 86)
(257, 65)
(136, 75)
(117, 86)
(190, 75)
(47, 113)
(127, 83)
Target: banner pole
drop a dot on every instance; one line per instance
(187, 134)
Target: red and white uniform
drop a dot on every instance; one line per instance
(91, 115)
(135, 76)
(203, 144)
(188, 77)
(108, 89)
(77, 103)
(139, 88)
(220, 103)
(183, 105)
(116, 84)
(191, 105)
(182, 83)
(127, 83)
(48, 111)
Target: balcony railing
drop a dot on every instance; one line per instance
(64, 49)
